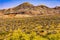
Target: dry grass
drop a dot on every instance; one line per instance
(30, 28)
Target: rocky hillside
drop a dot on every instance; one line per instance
(27, 8)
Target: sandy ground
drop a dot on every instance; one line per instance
(16, 16)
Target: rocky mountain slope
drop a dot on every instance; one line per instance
(27, 8)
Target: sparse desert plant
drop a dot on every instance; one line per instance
(30, 28)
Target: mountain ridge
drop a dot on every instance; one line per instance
(27, 8)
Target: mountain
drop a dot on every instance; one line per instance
(23, 6)
(27, 8)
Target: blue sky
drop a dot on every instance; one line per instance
(12, 3)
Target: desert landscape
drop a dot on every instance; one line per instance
(28, 9)
(29, 22)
